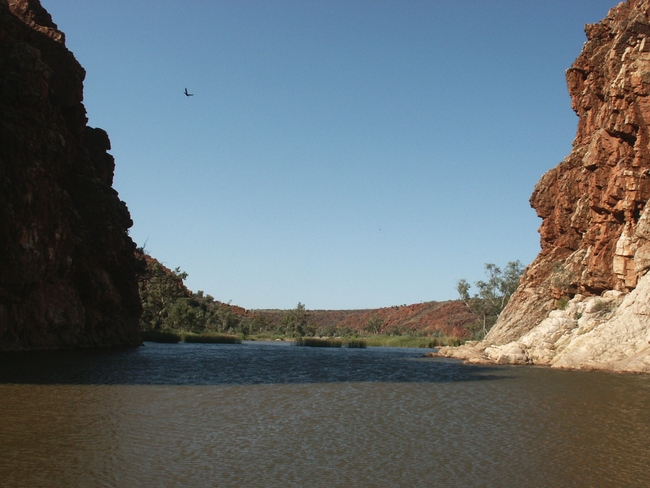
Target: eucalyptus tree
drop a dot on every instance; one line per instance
(294, 323)
(493, 293)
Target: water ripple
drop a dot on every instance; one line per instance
(277, 416)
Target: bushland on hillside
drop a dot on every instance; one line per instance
(170, 306)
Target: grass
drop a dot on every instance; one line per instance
(408, 341)
(314, 342)
(173, 337)
(211, 338)
(167, 337)
(562, 303)
(266, 336)
(330, 342)
(602, 307)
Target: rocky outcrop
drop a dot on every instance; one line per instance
(67, 264)
(595, 233)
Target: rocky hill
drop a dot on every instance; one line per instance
(449, 318)
(67, 264)
(169, 304)
(584, 301)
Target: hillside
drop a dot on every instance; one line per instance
(169, 304)
(448, 318)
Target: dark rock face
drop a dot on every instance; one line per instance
(67, 264)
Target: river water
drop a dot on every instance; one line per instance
(274, 415)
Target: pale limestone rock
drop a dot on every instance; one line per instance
(512, 353)
(618, 341)
(611, 332)
(642, 259)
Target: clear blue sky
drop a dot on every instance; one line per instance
(344, 154)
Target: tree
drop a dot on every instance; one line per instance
(493, 294)
(294, 321)
(160, 289)
(374, 324)
(229, 320)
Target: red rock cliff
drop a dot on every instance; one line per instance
(67, 265)
(595, 233)
(591, 203)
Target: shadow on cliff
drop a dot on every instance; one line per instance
(222, 364)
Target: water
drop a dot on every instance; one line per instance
(275, 415)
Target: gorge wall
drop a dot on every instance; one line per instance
(595, 233)
(67, 264)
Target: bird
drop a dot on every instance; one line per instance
(188, 94)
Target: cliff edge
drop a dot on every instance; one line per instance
(67, 264)
(584, 302)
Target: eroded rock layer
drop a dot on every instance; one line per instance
(67, 265)
(595, 233)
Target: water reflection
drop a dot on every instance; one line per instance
(102, 426)
(218, 364)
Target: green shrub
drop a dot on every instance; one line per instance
(314, 342)
(212, 338)
(356, 343)
(408, 341)
(167, 337)
(562, 303)
(601, 306)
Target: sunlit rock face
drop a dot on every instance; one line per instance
(67, 265)
(595, 232)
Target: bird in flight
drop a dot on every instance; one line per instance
(188, 94)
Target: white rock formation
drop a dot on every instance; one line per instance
(611, 332)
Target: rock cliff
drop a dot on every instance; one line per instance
(595, 233)
(67, 264)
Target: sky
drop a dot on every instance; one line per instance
(344, 154)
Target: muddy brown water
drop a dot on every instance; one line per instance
(270, 415)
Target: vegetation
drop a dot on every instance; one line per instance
(295, 323)
(322, 342)
(563, 279)
(161, 336)
(315, 342)
(602, 307)
(173, 337)
(374, 325)
(412, 341)
(562, 303)
(492, 297)
(169, 306)
(172, 313)
(212, 338)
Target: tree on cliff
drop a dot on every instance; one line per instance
(168, 304)
(161, 292)
(493, 294)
